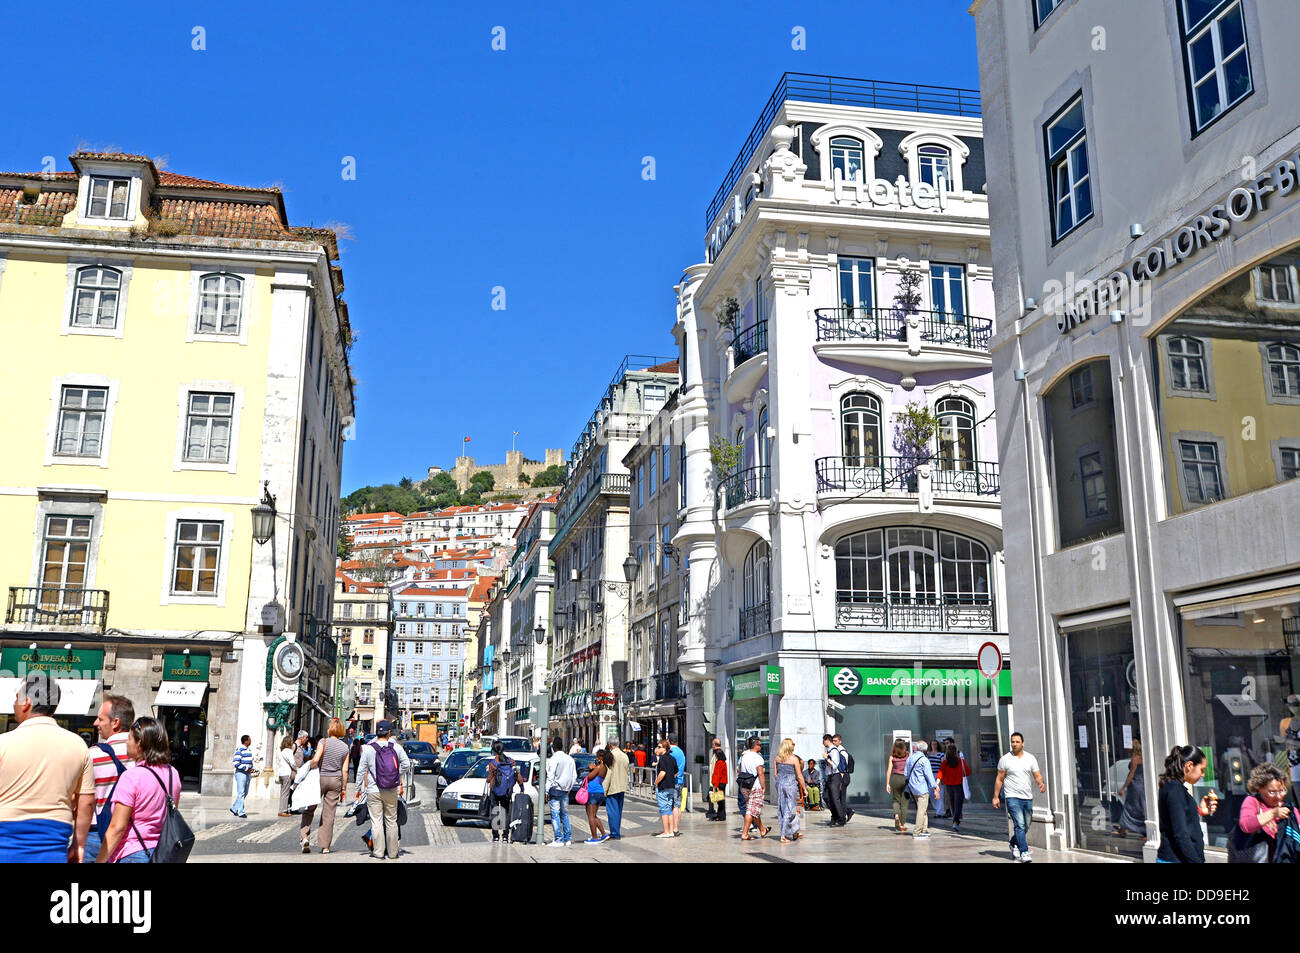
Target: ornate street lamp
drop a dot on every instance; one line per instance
(631, 569)
(264, 516)
(539, 634)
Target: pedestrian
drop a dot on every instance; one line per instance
(680, 757)
(330, 757)
(304, 742)
(1016, 770)
(243, 762)
(896, 784)
(1181, 839)
(141, 796)
(640, 756)
(835, 765)
(284, 773)
(953, 772)
(1254, 838)
(108, 759)
(751, 763)
(936, 756)
(1133, 816)
(47, 783)
(846, 776)
(379, 778)
(561, 773)
(502, 774)
(812, 781)
(665, 786)
(576, 747)
(921, 783)
(718, 784)
(789, 791)
(616, 784)
(354, 758)
(595, 782)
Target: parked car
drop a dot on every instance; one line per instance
(511, 743)
(424, 757)
(455, 765)
(583, 763)
(462, 799)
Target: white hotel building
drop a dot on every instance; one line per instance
(1149, 415)
(831, 554)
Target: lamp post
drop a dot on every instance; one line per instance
(543, 718)
(631, 569)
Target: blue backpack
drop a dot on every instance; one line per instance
(104, 816)
(505, 771)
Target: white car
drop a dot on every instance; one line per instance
(461, 799)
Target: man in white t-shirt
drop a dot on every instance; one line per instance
(751, 762)
(1017, 772)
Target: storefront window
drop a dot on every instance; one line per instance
(1221, 442)
(750, 709)
(1080, 418)
(1239, 678)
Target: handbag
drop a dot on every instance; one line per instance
(717, 796)
(1286, 850)
(583, 796)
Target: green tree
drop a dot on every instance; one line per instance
(482, 481)
(441, 483)
(523, 478)
(471, 497)
(344, 545)
(552, 476)
(404, 483)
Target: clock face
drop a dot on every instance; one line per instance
(289, 660)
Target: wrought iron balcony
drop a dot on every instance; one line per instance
(958, 330)
(743, 486)
(859, 324)
(872, 474)
(669, 685)
(926, 614)
(52, 607)
(318, 640)
(750, 342)
(756, 620)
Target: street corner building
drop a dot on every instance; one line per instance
(841, 519)
(1146, 238)
(176, 391)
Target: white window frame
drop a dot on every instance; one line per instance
(73, 506)
(182, 414)
(77, 262)
(1257, 276)
(1039, 16)
(1063, 157)
(86, 187)
(1210, 391)
(958, 153)
(1270, 395)
(1220, 462)
(228, 539)
(1211, 24)
(56, 401)
(821, 141)
(247, 311)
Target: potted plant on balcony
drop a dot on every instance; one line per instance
(914, 430)
(907, 300)
(725, 457)
(727, 314)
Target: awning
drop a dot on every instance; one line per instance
(180, 694)
(76, 695)
(315, 704)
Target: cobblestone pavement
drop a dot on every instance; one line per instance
(265, 838)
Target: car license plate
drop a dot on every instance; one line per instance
(466, 806)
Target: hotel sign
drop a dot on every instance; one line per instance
(1197, 233)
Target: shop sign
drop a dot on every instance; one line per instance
(772, 679)
(178, 667)
(77, 663)
(746, 685)
(910, 682)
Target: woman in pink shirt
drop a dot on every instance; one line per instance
(140, 796)
(1256, 835)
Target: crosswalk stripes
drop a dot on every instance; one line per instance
(269, 833)
(219, 830)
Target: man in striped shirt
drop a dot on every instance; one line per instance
(243, 762)
(115, 716)
(935, 758)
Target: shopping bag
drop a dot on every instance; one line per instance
(307, 792)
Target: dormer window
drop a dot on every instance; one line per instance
(934, 162)
(846, 158)
(108, 197)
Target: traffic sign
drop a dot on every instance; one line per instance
(989, 660)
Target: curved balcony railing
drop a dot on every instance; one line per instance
(743, 486)
(750, 342)
(870, 474)
(959, 330)
(858, 324)
(756, 620)
(919, 613)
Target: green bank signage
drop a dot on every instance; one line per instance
(178, 667)
(944, 685)
(762, 681)
(77, 663)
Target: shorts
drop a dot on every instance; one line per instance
(666, 801)
(595, 798)
(678, 792)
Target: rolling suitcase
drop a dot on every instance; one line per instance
(521, 818)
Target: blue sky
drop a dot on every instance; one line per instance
(475, 169)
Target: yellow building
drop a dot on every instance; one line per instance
(177, 357)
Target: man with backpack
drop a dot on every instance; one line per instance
(108, 759)
(837, 770)
(380, 776)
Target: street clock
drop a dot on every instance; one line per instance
(289, 661)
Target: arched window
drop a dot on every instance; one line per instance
(94, 301)
(220, 304)
(846, 157)
(860, 429)
(744, 450)
(956, 434)
(935, 162)
(764, 444)
(1283, 369)
(912, 578)
(755, 610)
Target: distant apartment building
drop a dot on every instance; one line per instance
(429, 637)
(529, 587)
(363, 628)
(590, 548)
(176, 394)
